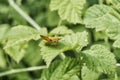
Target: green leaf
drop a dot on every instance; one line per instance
(117, 43)
(17, 40)
(95, 12)
(74, 77)
(89, 74)
(113, 2)
(62, 30)
(3, 30)
(61, 70)
(2, 59)
(32, 56)
(101, 17)
(70, 10)
(56, 4)
(113, 31)
(20, 34)
(17, 52)
(77, 40)
(69, 42)
(100, 59)
(48, 53)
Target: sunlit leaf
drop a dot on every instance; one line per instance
(48, 52)
(101, 18)
(97, 12)
(3, 31)
(70, 10)
(18, 38)
(62, 30)
(61, 70)
(89, 74)
(2, 59)
(17, 52)
(117, 43)
(56, 4)
(113, 2)
(78, 40)
(20, 34)
(69, 42)
(100, 59)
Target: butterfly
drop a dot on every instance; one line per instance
(52, 40)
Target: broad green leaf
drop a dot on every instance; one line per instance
(117, 43)
(43, 31)
(3, 30)
(78, 28)
(56, 4)
(89, 74)
(113, 31)
(77, 40)
(2, 59)
(70, 10)
(61, 70)
(100, 59)
(113, 2)
(101, 17)
(74, 77)
(20, 34)
(17, 52)
(48, 53)
(74, 41)
(32, 56)
(62, 30)
(116, 6)
(95, 12)
(18, 38)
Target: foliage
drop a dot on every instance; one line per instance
(97, 57)
(82, 40)
(65, 70)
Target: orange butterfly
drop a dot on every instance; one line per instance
(53, 40)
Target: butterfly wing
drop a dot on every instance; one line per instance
(46, 38)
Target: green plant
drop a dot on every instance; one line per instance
(88, 48)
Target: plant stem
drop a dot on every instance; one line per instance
(13, 71)
(23, 14)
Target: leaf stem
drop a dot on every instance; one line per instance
(13, 71)
(23, 14)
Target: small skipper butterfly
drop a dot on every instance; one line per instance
(52, 40)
